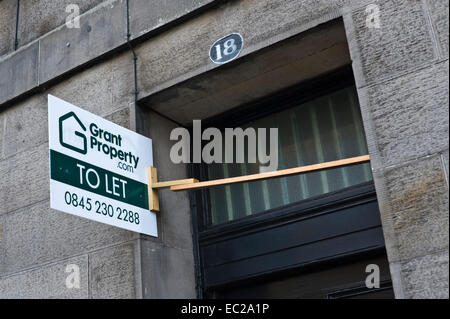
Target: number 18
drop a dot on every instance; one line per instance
(229, 47)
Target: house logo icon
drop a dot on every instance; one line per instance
(69, 133)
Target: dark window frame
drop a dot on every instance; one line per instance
(284, 99)
(200, 204)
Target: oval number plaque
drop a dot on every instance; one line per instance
(226, 49)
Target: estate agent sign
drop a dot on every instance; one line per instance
(98, 169)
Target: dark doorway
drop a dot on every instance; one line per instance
(301, 237)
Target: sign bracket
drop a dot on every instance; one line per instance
(154, 185)
(194, 184)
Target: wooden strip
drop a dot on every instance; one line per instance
(153, 201)
(281, 173)
(175, 182)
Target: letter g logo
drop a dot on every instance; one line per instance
(69, 137)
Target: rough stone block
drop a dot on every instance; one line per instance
(176, 219)
(167, 272)
(297, 59)
(426, 277)
(402, 43)
(37, 234)
(38, 17)
(409, 115)
(7, 25)
(46, 282)
(24, 179)
(182, 52)
(101, 89)
(147, 15)
(439, 19)
(19, 72)
(112, 272)
(26, 125)
(417, 196)
(100, 31)
(120, 117)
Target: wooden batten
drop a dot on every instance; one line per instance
(193, 184)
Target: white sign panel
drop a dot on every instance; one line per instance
(98, 169)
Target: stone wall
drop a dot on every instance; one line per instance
(401, 72)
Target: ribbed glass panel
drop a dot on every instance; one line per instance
(325, 129)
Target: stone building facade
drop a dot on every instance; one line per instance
(400, 70)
